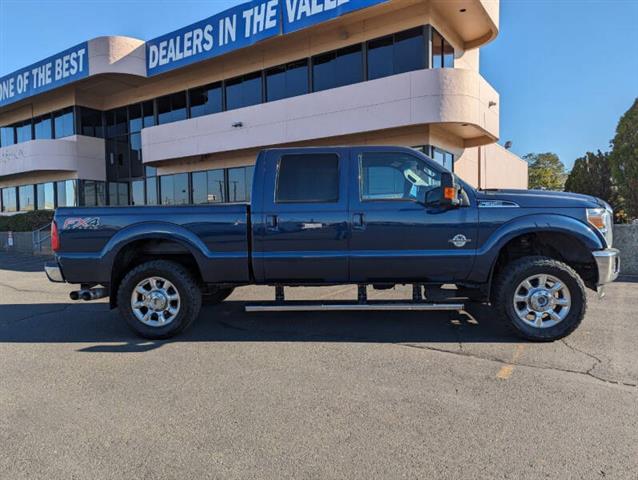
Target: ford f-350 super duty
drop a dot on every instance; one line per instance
(379, 216)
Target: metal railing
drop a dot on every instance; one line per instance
(40, 237)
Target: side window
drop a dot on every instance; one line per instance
(397, 176)
(308, 178)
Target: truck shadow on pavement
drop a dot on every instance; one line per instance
(95, 324)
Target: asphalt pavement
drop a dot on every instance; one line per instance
(310, 395)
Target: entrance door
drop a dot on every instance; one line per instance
(303, 232)
(399, 233)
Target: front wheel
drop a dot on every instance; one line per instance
(159, 299)
(541, 298)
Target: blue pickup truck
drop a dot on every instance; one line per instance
(370, 216)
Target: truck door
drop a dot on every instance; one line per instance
(301, 235)
(397, 232)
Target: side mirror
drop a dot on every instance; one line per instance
(449, 191)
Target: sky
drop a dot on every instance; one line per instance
(566, 70)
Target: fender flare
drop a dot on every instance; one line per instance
(487, 255)
(152, 231)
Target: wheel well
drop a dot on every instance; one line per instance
(141, 251)
(559, 246)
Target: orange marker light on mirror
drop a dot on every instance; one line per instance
(449, 193)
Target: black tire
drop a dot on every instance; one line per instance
(515, 273)
(217, 295)
(189, 292)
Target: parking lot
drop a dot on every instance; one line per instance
(321, 395)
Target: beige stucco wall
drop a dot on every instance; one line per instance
(453, 96)
(76, 156)
(500, 168)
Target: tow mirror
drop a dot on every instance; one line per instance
(449, 191)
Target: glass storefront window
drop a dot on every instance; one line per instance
(209, 187)
(46, 196)
(7, 136)
(118, 194)
(240, 184)
(148, 111)
(135, 119)
(206, 100)
(43, 128)
(171, 108)
(116, 122)
(338, 68)
(23, 132)
(398, 53)
(63, 123)
(174, 189)
(244, 91)
(151, 191)
(137, 192)
(67, 193)
(442, 51)
(90, 122)
(287, 81)
(9, 200)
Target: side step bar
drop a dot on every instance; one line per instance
(350, 307)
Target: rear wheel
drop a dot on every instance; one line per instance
(159, 299)
(541, 298)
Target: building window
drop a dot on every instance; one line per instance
(174, 189)
(287, 81)
(63, 123)
(7, 136)
(24, 132)
(442, 51)
(67, 193)
(43, 128)
(398, 53)
(151, 191)
(209, 187)
(244, 91)
(137, 192)
(396, 176)
(116, 122)
(93, 193)
(90, 122)
(46, 196)
(9, 200)
(240, 181)
(206, 100)
(171, 108)
(118, 194)
(338, 68)
(308, 178)
(442, 157)
(135, 118)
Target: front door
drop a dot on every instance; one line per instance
(399, 233)
(303, 231)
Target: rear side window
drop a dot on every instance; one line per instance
(308, 178)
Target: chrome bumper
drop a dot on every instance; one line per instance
(54, 273)
(608, 262)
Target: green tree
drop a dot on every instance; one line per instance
(546, 171)
(592, 175)
(624, 159)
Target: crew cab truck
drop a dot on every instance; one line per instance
(377, 216)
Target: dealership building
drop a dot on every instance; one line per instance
(180, 119)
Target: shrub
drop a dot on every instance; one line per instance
(25, 222)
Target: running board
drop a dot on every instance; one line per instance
(351, 307)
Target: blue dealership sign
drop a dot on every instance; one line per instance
(240, 27)
(53, 72)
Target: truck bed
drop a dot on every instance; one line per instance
(217, 236)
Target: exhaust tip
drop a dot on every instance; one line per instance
(86, 295)
(74, 295)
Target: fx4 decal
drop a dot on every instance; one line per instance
(87, 223)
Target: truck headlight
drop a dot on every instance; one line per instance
(602, 220)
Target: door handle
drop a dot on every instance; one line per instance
(271, 222)
(358, 221)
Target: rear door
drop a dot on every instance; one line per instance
(301, 235)
(396, 236)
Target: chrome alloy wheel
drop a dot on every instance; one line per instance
(155, 302)
(542, 301)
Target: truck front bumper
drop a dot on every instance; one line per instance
(54, 272)
(608, 262)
